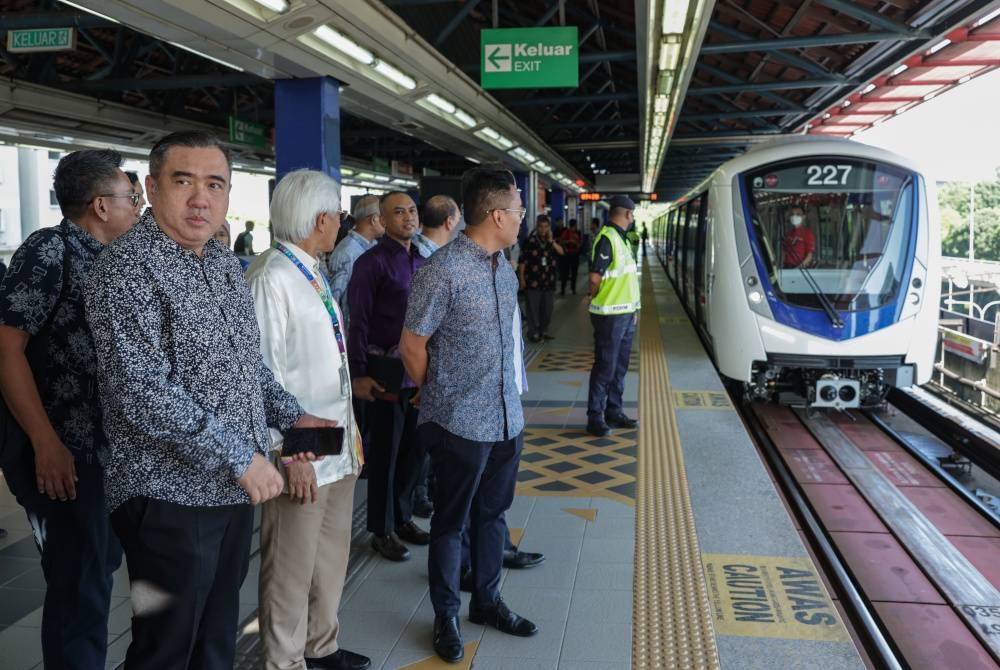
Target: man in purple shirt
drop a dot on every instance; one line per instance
(377, 296)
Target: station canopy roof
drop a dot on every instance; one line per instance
(668, 89)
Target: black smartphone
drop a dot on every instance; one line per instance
(320, 441)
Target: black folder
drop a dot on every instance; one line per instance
(387, 371)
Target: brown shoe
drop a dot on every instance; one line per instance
(412, 533)
(391, 548)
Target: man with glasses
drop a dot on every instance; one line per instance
(459, 345)
(48, 372)
(377, 295)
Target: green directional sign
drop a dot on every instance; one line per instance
(529, 58)
(247, 132)
(41, 39)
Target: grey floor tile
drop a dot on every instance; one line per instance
(12, 568)
(13, 535)
(418, 633)
(600, 550)
(507, 663)
(22, 548)
(22, 650)
(612, 528)
(616, 576)
(595, 665)
(556, 549)
(15, 521)
(120, 619)
(555, 504)
(759, 653)
(117, 650)
(544, 645)
(606, 508)
(371, 630)
(387, 596)
(593, 641)
(403, 657)
(614, 606)
(537, 603)
(15, 604)
(32, 579)
(120, 585)
(550, 574)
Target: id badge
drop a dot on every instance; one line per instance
(345, 381)
(545, 261)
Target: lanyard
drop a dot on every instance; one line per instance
(322, 291)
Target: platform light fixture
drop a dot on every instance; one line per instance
(494, 138)
(937, 47)
(75, 5)
(523, 155)
(278, 6)
(542, 166)
(206, 56)
(868, 89)
(674, 16)
(899, 70)
(345, 45)
(395, 75)
(670, 52)
(447, 110)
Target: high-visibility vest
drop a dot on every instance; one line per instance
(619, 289)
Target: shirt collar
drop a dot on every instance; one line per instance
(467, 245)
(148, 226)
(303, 257)
(89, 241)
(361, 239)
(395, 247)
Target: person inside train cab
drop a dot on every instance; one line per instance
(798, 245)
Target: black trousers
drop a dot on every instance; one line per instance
(474, 486)
(395, 458)
(80, 554)
(569, 266)
(540, 304)
(186, 566)
(612, 347)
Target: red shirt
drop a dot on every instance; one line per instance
(570, 240)
(797, 244)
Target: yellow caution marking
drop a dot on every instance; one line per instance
(771, 596)
(588, 513)
(515, 535)
(435, 663)
(671, 615)
(701, 400)
(579, 360)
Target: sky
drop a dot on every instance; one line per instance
(956, 135)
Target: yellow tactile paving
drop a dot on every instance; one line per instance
(570, 462)
(672, 626)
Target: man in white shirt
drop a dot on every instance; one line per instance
(306, 533)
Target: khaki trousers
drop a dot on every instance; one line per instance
(304, 550)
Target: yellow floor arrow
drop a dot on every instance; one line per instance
(588, 513)
(435, 663)
(515, 535)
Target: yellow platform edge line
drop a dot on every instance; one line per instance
(671, 612)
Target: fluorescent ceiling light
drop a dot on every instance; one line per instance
(440, 103)
(986, 19)
(465, 119)
(365, 175)
(899, 70)
(868, 89)
(493, 137)
(542, 166)
(344, 45)
(394, 75)
(346, 171)
(278, 6)
(382, 177)
(525, 156)
(674, 16)
(670, 54)
(473, 160)
(937, 47)
(660, 103)
(204, 55)
(845, 103)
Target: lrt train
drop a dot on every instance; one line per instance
(811, 268)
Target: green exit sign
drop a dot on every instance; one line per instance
(41, 39)
(529, 58)
(247, 132)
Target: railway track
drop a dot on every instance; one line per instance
(909, 553)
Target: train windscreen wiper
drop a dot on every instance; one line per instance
(824, 302)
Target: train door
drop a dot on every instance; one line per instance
(701, 235)
(675, 251)
(668, 245)
(690, 241)
(684, 218)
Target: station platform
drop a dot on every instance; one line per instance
(666, 547)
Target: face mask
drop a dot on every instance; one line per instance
(795, 220)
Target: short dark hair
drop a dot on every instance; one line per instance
(83, 175)
(480, 187)
(196, 139)
(544, 218)
(436, 211)
(572, 223)
(386, 196)
(133, 176)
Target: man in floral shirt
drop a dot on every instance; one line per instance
(537, 273)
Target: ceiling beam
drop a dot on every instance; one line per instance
(572, 99)
(748, 87)
(22, 20)
(455, 22)
(798, 62)
(868, 16)
(178, 82)
(806, 42)
(597, 145)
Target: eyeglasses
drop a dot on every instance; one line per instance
(520, 211)
(133, 197)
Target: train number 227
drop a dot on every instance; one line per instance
(828, 175)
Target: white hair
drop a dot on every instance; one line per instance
(299, 199)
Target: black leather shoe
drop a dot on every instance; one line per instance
(412, 533)
(448, 639)
(518, 560)
(390, 547)
(423, 508)
(597, 429)
(621, 421)
(340, 660)
(500, 617)
(466, 582)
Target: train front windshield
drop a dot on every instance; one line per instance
(834, 230)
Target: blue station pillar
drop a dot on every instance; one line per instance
(557, 203)
(307, 125)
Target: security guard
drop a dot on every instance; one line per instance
(614, 305)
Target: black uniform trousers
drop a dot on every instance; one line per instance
(394, 460)
(80, 554)
(612, 346)
(474, 486)
(186, 566)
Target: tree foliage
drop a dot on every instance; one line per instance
(953, 198)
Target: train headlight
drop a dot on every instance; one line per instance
(755, 297)
(914, 298)
(847, 394)
(828, 392)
